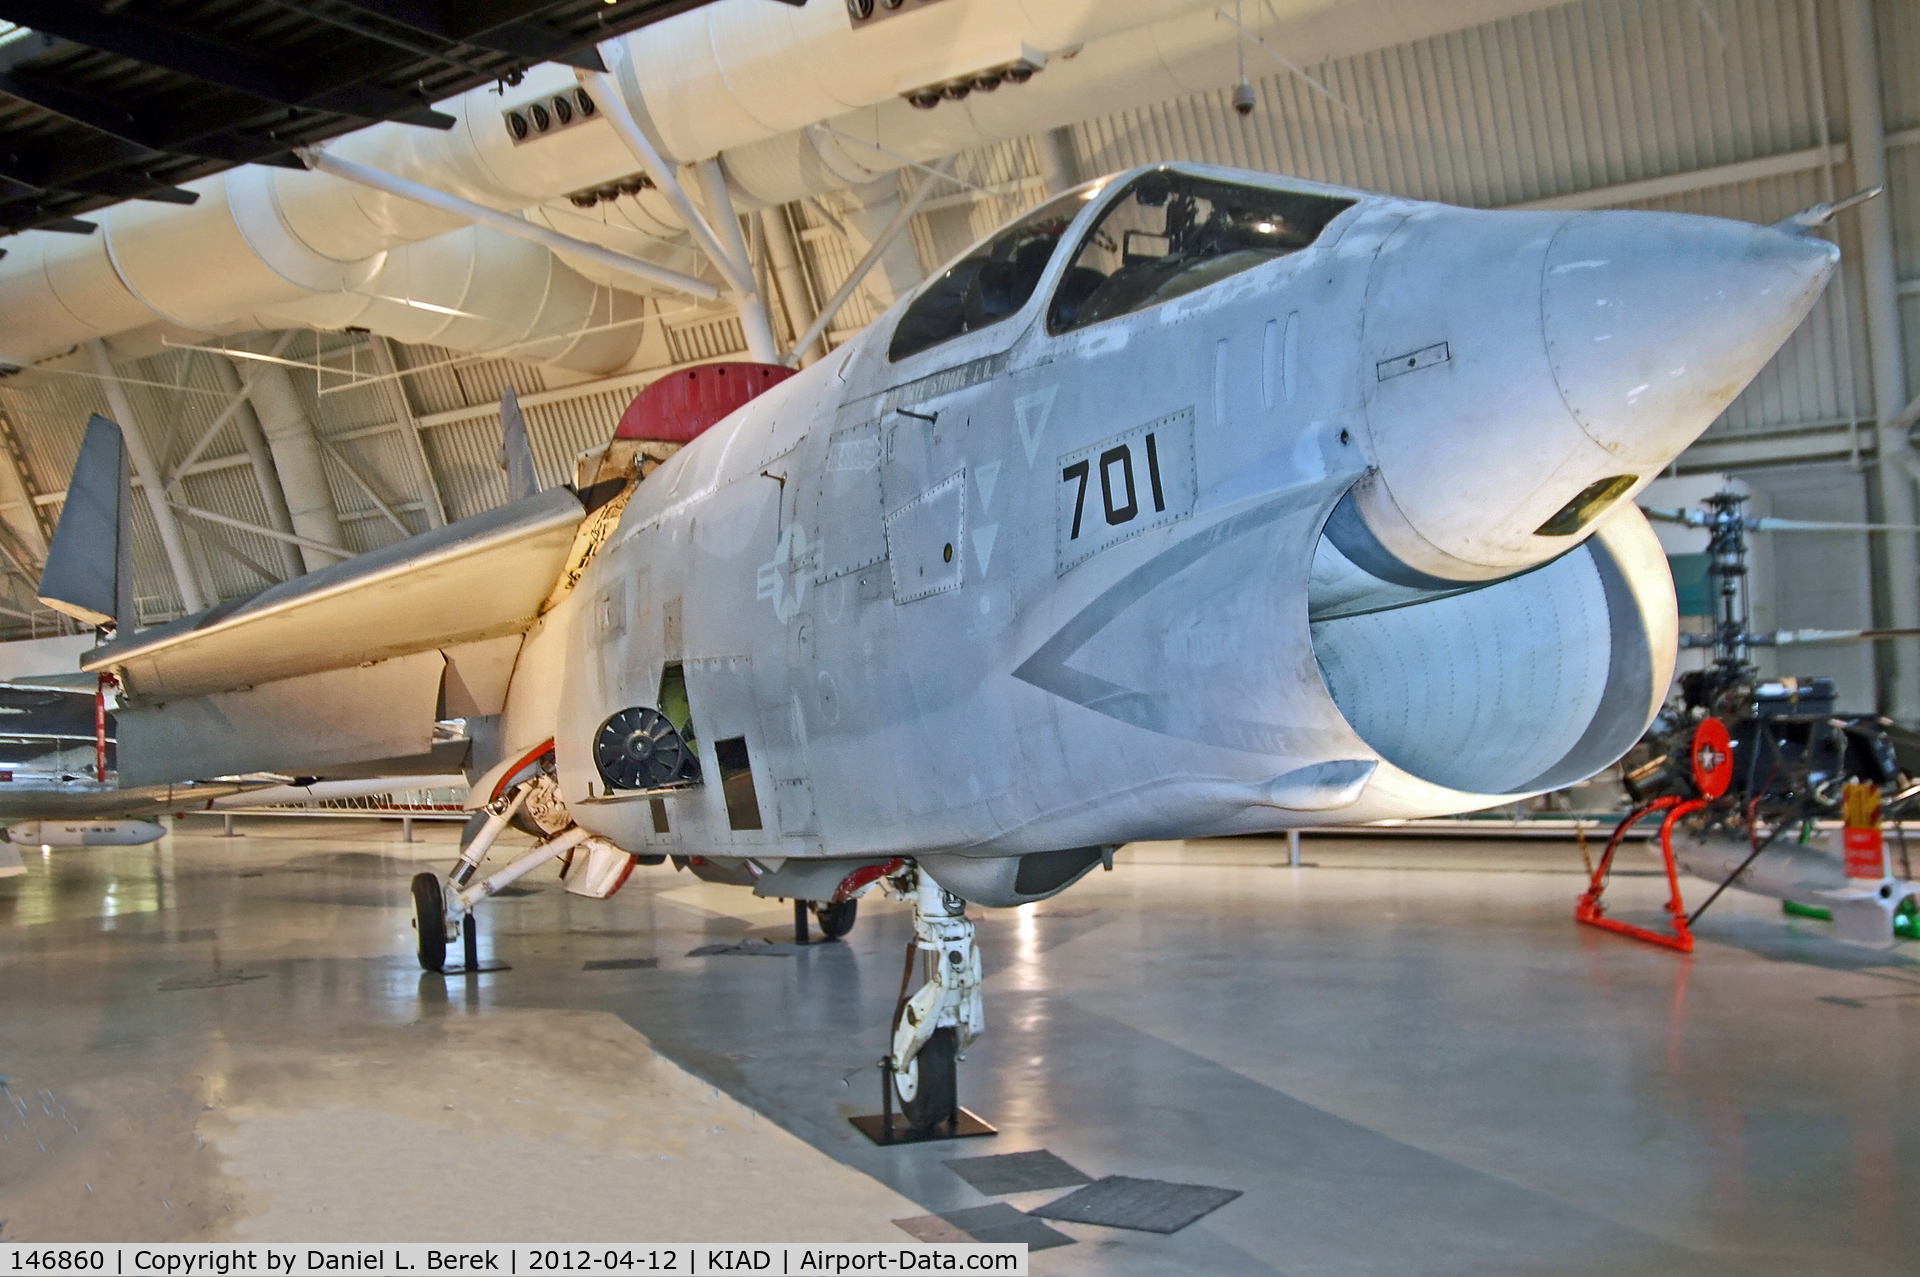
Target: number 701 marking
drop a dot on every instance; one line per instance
(1122, 456)
(1146, 479)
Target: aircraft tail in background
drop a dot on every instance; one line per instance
(89, 571)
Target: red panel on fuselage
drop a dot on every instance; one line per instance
(676, 408)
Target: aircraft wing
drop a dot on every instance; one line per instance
(343, 671)
(477, 579)
(83, 799)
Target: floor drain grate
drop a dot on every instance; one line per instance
(998, 1222)
(1144, 1205)
(750, 948)
(620, 964)
(217, 980)
(1006, 1173)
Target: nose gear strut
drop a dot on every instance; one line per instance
(936, 1024)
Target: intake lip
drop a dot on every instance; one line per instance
(1347, 529)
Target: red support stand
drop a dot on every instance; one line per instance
(100, 728)
(1593, 913)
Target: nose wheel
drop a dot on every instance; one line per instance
(929, 1087)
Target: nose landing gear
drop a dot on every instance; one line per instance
(947, 1007)
(935, 1025)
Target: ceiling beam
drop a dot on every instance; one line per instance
(154, 44)
(510, 29)
(187, 136)
(1790, 445)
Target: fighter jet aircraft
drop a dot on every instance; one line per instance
(1191, 502)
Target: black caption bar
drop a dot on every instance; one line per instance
(519, 1259)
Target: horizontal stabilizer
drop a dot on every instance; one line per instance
(73, 681)
(89, 570)
(479, 578)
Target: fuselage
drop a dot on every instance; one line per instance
(1342, 535)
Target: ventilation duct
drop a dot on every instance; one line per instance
(749, 81)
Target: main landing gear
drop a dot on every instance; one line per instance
(443, 908)
(834, 917)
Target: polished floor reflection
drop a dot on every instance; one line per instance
(1405, 1055)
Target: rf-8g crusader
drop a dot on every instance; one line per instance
(1191, 502)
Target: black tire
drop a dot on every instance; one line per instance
(430, 921)
(935, 1083)
(835, 919)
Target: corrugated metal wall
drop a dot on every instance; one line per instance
(1566, 99)
(1899, 25)
(1550, 105)
(1579, 99)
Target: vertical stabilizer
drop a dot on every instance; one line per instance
(89, 572)
(516, 454)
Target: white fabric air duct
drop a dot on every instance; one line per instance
(743, 79)
(477, 289)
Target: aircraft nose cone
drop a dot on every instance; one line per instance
(1655, 321)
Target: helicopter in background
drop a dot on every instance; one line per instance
(1757, 763)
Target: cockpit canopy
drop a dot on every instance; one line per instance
(990, 283)
(1172, 233)
(1167, 234)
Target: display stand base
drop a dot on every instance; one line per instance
(470, 952)
(875, 1127)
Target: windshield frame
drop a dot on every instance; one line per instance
(1017, 320)
(1118, 186)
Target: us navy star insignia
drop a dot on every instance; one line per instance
(784, 578)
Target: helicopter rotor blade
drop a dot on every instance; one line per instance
(1781, 638)
(1767, 523)
(1691, 518)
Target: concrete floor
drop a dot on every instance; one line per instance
(1406, 1055)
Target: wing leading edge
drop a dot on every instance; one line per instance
(480, 578)
(349, 667)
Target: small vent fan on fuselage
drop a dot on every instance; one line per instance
(639, 748)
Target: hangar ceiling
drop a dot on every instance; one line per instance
(1737, 108)
(101, 102)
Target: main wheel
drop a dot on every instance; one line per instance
(929, 1090)
(430, 921)
(835, 919)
